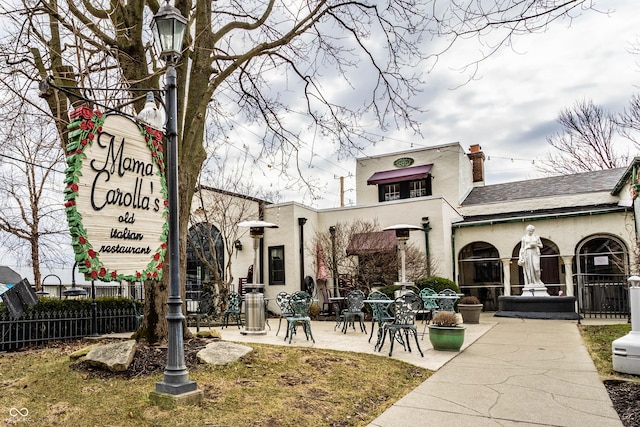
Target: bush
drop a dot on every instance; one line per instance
(437, 284)
(389, 290)
(469, 299)
(314, 310)
(445, 318)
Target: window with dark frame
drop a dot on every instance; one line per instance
(276, 265)
(404, 190)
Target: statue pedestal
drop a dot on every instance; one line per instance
(538, 307)
(535, 291)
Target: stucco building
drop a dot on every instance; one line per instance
(470, 231)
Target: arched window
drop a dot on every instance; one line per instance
(602, 257)
(205, 251)
(479, 264)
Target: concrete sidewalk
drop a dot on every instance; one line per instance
(521, 372)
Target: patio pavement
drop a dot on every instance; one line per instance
(354, 340)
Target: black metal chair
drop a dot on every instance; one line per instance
(282, 300)
(300, 303)
(379, 313)
(404, 310)
(202, 311)
(355, 304)
(234, 308)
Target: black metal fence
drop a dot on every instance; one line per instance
(38, 328)
(602, 296)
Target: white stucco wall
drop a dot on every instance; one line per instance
(451, 172)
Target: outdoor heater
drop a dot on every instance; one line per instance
(402, 235)
(254, 300)
(626, 350)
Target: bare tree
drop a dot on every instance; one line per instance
(32, 211)
(223, 208)
(585, 143)
(629, 121)
(259, 61)
(365, 255)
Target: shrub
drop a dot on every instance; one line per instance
(469, 299)
(445, 318)
(437, 283)
(314, 310)
(389, 290)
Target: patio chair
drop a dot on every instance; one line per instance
(448, 303)
(326, 300)
(202, 311)
(404, 310)
(379, 313)
(355, 304)
(300, 303)
(234, 306)
(429, 306)
(282, 300)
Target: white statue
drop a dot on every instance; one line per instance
(529, 260)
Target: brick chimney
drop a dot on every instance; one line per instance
(477, 164)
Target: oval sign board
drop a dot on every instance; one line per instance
(116, 197)
(403, 162)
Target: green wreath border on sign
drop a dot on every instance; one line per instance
(85, 125)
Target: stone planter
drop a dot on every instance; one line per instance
(470, 312)
(446, 338)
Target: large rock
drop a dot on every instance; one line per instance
(115, 357)
(222, 352)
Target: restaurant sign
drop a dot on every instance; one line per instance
(116, 197)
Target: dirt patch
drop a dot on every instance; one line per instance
(148, 360)
(625, 396)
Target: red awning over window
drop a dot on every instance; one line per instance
(372, 242)
(398, 175)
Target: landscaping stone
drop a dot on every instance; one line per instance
(222, 353)
(115, 357)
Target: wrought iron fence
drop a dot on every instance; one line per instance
(602, 295)
(38, 328)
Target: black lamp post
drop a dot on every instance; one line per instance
(334, 267)
(168, 28)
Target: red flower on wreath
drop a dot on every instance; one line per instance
(74, 187)
(94, 274)
(82, 240)
(92, 253)
(114, 274)
(138, 274)
(86, 113)
(102, 272)
(88, 263)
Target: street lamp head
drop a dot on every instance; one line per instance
(168, 27)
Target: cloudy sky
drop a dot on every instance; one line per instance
(511, 106)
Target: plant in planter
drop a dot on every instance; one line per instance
(445, 333)
(470, 308)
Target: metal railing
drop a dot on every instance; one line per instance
(38, 328)
(602, 295)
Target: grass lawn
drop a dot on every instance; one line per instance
(272, 386)
(598, 339)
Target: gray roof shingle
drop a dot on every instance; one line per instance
(587, 182)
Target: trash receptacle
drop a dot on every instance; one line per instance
(254, 313)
